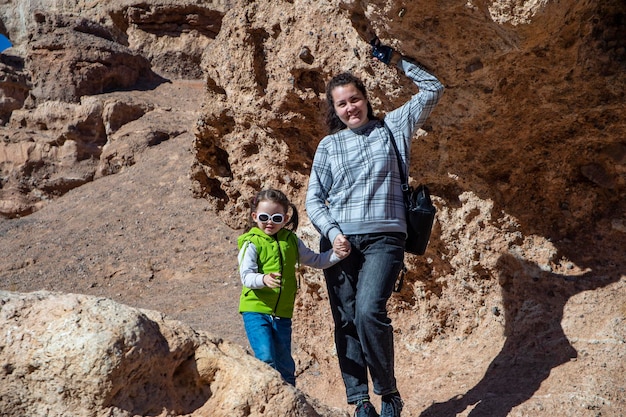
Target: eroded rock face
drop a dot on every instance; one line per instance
(70, 57)
(13, 85)
(531, 89)
(58, 146)
(67, 354)
(525, 157)
(55, 134)
(522, 285)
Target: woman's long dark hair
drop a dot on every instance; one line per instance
(276, 196)
(333, 123)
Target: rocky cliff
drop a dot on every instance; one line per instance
(517, 308)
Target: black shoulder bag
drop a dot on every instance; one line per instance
(419, 209)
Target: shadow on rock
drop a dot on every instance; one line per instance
(534, 301)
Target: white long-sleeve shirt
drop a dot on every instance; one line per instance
(248, 268)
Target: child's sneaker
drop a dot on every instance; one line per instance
(364, 408)
(391, 405)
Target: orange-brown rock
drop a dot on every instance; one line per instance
(516, 309)
(69, 354)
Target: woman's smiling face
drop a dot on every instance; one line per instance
(350, 105)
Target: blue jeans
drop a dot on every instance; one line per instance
(358, 288)
(270, 339)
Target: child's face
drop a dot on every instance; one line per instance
(269, 209)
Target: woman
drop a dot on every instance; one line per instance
(355, 200)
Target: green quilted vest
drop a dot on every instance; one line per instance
(275, 301)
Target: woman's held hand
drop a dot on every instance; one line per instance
(342, 246)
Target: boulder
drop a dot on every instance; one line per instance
(72, 354)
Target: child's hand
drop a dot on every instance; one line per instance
(272, 280)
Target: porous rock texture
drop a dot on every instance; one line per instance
(70, 354)
(518, 306)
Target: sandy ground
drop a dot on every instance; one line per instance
(138, 237)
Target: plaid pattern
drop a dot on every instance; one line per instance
(354, 187)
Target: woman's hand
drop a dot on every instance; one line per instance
(341, 246)
(272, 280)
(384, 53)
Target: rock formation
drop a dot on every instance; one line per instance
(68, 354)
(517, 307)
(58, 133)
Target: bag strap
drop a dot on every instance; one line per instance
(404, 184)
(405, 193)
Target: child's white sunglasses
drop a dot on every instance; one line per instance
(276, 218)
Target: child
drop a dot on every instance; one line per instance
(268, 254)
